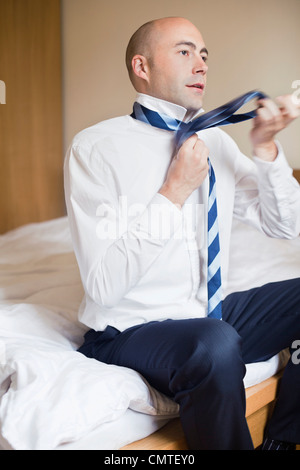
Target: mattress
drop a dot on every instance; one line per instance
(51, 396)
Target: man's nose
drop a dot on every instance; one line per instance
(200, 66)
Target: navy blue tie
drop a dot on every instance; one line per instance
(221, 116)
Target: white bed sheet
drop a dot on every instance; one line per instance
(52, 397)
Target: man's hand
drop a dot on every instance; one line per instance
(187, 171)
(270, 120)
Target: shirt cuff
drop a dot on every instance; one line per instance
(270, 173)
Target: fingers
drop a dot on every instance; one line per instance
(271, 119)
(269, 113)
(289, 106)
(193, 155)
(268, 110)
(190, 143)
(201, 151)
(195, 150)
(195, 145)
(187, 171)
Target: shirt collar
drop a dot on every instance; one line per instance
(172, 110)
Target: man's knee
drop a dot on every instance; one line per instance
(214, 357)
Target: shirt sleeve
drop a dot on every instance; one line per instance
(267, 195)
(115, 244)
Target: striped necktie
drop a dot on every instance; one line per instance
(221, 116)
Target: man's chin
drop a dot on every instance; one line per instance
(194, 104)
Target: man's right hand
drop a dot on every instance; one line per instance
(187, 171)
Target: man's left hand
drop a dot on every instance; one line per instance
(270, 120)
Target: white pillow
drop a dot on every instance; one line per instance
(58, 395)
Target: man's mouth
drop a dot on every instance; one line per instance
(199, 86)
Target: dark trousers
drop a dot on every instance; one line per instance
(200, 363)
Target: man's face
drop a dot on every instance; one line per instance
(177, 69)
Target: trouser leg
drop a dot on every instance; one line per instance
(268, 320)
(198, 363)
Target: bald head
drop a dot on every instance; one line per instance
(140, 44)
(144, 39)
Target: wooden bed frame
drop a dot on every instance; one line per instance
(260, 400)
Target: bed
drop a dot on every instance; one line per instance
(54, 398)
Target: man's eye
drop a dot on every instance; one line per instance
(204, 58)
(184, 52)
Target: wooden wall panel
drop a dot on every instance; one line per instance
(31, 152)
(297, 174)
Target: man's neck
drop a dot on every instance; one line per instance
(165, 107)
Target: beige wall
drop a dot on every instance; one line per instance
(252, 45)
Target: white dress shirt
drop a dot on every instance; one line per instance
(140, 257)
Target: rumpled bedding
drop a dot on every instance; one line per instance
(51, 395)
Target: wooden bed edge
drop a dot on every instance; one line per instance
(260, 400)
(261, 394)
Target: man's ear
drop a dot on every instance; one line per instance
(140, 67)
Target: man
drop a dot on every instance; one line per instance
(138, 220)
